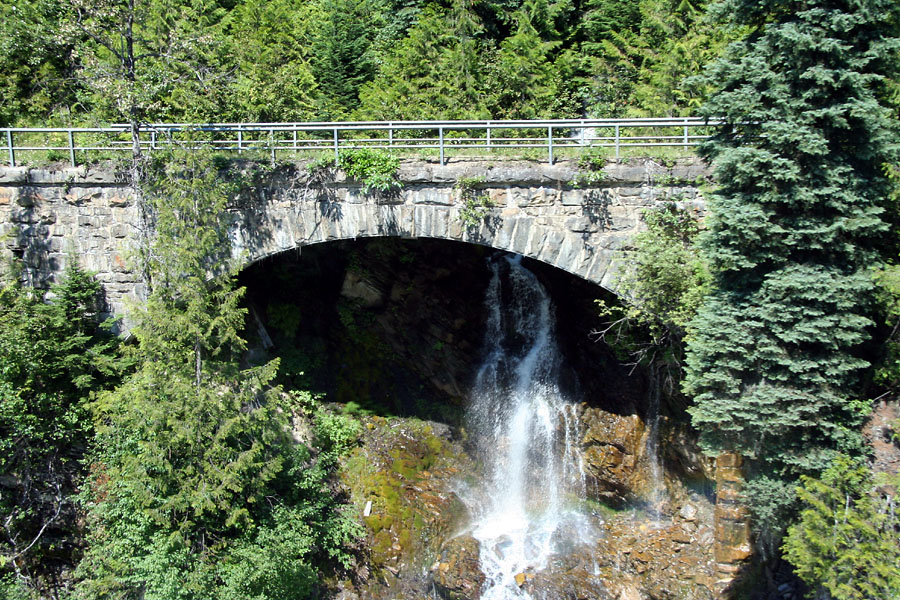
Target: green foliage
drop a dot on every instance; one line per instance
(645, 51)
(340, 61)
(476, 203)
(590, 168)
(375, 169)
(775, 352)
(436, 72)
(36, 66)
(662, 289)
(335, 432)
(260, 69)
(887, 286)
(197, 489)
(288, 60)
(52, 357)
(846, 543)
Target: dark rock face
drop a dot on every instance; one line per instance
(457, 575)
(392, 326)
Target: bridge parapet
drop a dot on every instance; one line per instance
(49, 217)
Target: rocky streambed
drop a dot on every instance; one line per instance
(419, 541)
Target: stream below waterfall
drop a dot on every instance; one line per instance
(525, 429)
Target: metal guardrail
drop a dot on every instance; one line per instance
(296, 138)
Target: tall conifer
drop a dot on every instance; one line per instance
(774, 360)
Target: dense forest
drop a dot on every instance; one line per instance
(72, 62)
(773, 324)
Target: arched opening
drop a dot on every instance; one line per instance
(396, 325)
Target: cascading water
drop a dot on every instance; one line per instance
(525, 432)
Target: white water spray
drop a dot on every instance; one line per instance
(526, 433)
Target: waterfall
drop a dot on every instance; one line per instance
(525, 433)
(657, 496)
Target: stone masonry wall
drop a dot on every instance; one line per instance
(51, 217)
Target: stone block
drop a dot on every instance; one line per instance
(551, 247)
(418, 172)
(600, 268)
(13, 174)
(582, 225)
(27, 198)
(518, 196)
(729, 459)
(431, 195)
(691, 171)
(731, 512)
(728, 494)
(536, 237)
(504, 237)
(87, 221)
(119, 230)
(572, 197)
(441, 223)
(625, 173)
(629, 192)
(8, 195)
(500, 198)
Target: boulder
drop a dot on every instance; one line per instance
(457, 575)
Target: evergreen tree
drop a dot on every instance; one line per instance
(644, 63)
(36, 66)
(437, 72)
(264, 72)
(52, 357)
(774, 359)
(846, 543)
(662, 289)
(340, 56)
(528, 83)
(198, 490)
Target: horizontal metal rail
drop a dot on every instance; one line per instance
(484, 136)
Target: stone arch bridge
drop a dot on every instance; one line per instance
(50, 217)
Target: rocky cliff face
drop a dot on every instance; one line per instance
(390, 330)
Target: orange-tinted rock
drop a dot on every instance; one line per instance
(732, 526)
(613, 445)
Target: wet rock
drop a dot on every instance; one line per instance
(688, 512)
(457, 575)
(612, 446)
(403, 471)
(502, 546)
(565, 584)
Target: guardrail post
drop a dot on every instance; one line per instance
(441, 143)
(71, 147)
(390, 133)
(487, 139)
(617, 141)
(550, 144)
(685, 133)
(9, 144)
(240, 140)
(582, 133)
(153, 140)
(337, 156)
(272, 145)
(295, 139)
